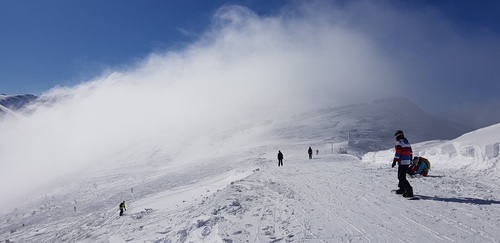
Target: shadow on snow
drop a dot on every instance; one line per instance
(468, 200)
(439, 176)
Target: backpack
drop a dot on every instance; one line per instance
(427, 162)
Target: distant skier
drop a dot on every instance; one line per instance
(280, 158)
(317, 152)
(122, 208)
(402, 157)
(420, 166)
(310, 152)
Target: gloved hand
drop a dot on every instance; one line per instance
(393, 163)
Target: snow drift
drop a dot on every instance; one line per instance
(473, 154)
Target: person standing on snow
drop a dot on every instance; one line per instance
(402, 156)
(122, 208)
(280, 158)
(310, 152)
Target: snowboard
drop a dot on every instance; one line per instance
(407, 198)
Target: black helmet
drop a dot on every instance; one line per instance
(399, 133)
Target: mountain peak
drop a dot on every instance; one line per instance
(12, 103)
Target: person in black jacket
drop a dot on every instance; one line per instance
(280, 158)
(122, 207)
(310, 152)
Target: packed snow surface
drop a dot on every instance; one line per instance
(247, 198)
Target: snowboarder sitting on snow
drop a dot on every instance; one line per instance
(420, 166)
(122, 207)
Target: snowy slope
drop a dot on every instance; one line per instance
(232, 191)
(332, 198)
(368, 126)
(4, 109)
(68, 137)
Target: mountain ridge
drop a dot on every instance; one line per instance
(14, 103)
(371, 125)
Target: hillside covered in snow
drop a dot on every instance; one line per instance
(225, 186)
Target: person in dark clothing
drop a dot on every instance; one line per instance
(402, 156)
(310, 152)
(122, 208)
(280, 158)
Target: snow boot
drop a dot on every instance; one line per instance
(408, 193)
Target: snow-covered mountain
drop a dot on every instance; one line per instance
(226, 187)
(13, 103)
(368, 126)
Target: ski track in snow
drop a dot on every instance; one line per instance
(331, 198)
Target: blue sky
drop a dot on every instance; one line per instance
(444, 54)
(49, 43)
